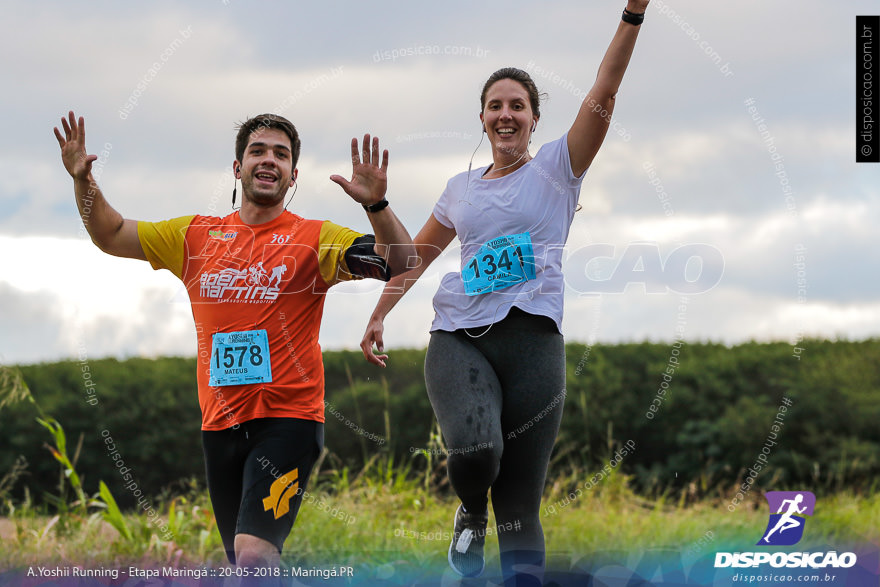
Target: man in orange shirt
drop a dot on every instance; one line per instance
(256, 281)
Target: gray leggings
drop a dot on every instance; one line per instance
(498, 398)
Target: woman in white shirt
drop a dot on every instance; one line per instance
(495, 366)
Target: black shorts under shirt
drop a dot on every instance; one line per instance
(257, 474)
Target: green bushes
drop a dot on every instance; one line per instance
(713, 417)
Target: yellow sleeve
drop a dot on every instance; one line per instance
(333, 241)
(163, 243)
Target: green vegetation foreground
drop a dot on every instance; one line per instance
(675, 486)
(386, 517)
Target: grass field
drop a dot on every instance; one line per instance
(387, 517)
(391, 523)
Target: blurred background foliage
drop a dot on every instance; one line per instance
(709, 427)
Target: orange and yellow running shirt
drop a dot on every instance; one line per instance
(246, 279)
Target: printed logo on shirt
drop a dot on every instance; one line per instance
(252, 284)
(284, 488)
(222, 236)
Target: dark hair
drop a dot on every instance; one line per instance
(246, 128)
(516, 75)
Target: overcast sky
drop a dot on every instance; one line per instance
(733, 138)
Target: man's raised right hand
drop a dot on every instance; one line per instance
(73, 147)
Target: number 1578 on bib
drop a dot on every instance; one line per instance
(240, 358)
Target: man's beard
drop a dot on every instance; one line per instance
(261, 199)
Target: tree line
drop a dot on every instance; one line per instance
(704, 415)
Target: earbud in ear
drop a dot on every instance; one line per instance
(534, 126)
(484, 127)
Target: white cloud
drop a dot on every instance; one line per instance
(171, 156)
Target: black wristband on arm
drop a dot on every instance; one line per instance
(633, 18)
(380, 205)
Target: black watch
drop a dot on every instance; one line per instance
(380, 205)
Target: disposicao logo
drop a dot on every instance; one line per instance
(785, 528)
(786, 525)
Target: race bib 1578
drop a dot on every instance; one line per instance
(240, 358)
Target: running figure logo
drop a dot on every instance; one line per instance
(257, 274)
(786, 526)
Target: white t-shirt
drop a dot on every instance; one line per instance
(539, 198)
